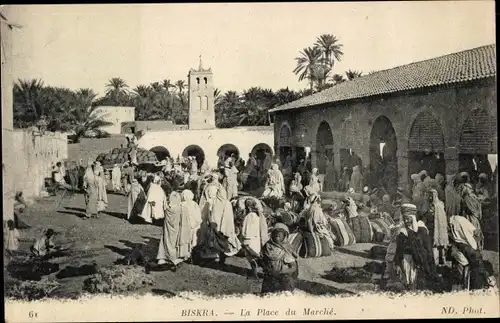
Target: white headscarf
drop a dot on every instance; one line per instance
(187, 195)
(462, 231)
(351, 208)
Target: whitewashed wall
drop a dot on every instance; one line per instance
(33, 158)
(115, 115)
(245, 139)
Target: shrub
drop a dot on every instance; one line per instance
(30, 290)
(116, 279)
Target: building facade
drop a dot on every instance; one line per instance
(439, 115)
(117, 116)
(202, 139)
(7, 117)
(201, 98)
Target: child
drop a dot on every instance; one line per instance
(44, 244)
(11, 238)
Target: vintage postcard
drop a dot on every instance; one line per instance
(249, 161)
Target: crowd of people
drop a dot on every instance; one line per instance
(206, 218)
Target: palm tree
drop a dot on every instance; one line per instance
(331, 49)
(307, 64)
(167, 84)
(253, 114)
(353, 74)
(217, 96)
(180, 86)
(337, 79)
(116, 92)
(116, 85)
(86, 119)
(230, 98)
(86, 96)
(26, 98)
(157, 87)
(225, 108)
(143, 91)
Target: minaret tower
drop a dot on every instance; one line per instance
(201, 98)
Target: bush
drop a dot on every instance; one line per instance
(30, 290)
(116, 279)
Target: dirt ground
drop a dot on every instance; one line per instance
(110, 237)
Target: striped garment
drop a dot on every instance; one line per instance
(362, 229)
(342, 231)
(381, 230)
(315, 246)
(296, 241)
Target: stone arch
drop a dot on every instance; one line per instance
(426, 145)
(478, 139)
(259, 150)
(284, 146)
(324, 146)
(227, 150)
(196, 151)
(160, 152)
(383, 155)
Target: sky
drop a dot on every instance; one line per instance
(245, 44)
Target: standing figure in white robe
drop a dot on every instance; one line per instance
(254, 233)
(102, 196)
(191, 208)
(175, 241)
(275, 185)
(314, 181)
(231, 180)
(116, 176)
(218, 229)
(136, 199)
(155, 203)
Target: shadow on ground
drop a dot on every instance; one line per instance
(148, 249)
(314, 288)
(362, 254)
(79, 212)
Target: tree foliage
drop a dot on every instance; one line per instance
(76, 111)
(315, 64)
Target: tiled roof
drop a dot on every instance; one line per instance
(473, 64)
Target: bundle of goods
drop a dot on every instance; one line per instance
(273, 202)
(121, 155)
(342, 231)
(116, 279)
(287, 217)
(30, 290)
(381, 225)
(314, 245)
(362, 229)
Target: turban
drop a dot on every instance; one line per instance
(408, 209)
(281, 226)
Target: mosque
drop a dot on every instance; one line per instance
(202, 139)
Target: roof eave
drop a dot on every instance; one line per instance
(433, 88)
